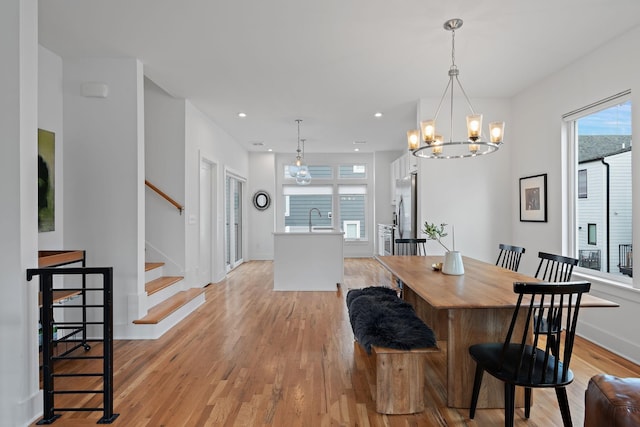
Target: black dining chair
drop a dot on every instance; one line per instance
(509, 256)
(531, 362)
(555, 268)
(411, 246)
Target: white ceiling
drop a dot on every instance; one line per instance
(331, 63)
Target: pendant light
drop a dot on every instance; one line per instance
(299, 169)
(435, 146)
(303, 177)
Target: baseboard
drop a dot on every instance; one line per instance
(622, 347)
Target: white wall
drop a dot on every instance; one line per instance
(471, 195)
(50, 118)
(537, 141)
(104, 176)
(20, 399)
(261, 224)
(164, 118)
(383, 207)
(206, 140)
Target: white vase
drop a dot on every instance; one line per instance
(453, 263)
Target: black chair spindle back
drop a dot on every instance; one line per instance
(509, 256)
(540, 357)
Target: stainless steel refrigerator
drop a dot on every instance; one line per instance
(406, 207)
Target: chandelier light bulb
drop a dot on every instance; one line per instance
(436, 146)
(496, 131)
(413, 139)
(428, 130)
(474, 126)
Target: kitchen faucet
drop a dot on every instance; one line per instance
(319, 214)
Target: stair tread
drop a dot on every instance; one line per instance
(151, 265)
(168, 306)
(160, 283)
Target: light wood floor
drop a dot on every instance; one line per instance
(250, 357)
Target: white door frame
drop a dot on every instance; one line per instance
(207, 230)
(230, 239)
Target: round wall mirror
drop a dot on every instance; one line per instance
(261, 200)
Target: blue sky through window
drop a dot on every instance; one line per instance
(614, 120)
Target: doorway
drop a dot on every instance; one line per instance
(207, 226)
(234, 188)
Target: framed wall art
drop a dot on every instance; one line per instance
(533, 198)
(46, 184)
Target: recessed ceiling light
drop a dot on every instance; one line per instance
(378, 114)
(270, 149)
(356, 149)
(242, 115)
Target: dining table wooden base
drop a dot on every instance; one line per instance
(462, 328)
(463, 310)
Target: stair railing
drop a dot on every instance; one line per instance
(164, 196)
(49, 340)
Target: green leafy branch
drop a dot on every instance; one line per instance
(435, 232)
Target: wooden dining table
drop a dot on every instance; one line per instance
(463, 310)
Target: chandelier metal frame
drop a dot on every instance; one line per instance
(434, 146)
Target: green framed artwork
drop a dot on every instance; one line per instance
(46, 182)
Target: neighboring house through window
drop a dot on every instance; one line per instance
(339, 190)
(600, 219)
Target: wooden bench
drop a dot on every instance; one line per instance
(399, 372)
(399, 379)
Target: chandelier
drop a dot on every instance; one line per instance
(299, 169)
(435, 146)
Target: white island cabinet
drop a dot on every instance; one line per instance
(308, 261)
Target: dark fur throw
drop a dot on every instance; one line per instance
(378, 317)
(372, 290)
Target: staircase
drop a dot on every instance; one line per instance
(169, 302)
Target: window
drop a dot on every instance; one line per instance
(351, 229)
(352, 171)
(600, 145)
(300, 201)
(582, 184)
(592, 232)
(321, 172)
(317, 172)
(353, 210)
(339, 188)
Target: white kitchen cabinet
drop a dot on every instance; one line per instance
(402, 167)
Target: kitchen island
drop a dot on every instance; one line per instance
(308, 261)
